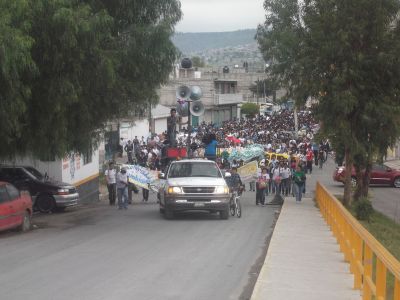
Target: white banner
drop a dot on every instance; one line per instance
(141, 176)
(248, 171)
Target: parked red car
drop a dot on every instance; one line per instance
(380, 174)
(15, 208)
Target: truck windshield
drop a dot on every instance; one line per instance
(194, 169)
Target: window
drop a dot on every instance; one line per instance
(13, 193)
(378, 167)
(3, 194)
(35, 173)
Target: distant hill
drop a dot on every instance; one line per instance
(189, 43)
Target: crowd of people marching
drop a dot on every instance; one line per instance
(288, 155)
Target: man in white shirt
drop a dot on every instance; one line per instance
(122, 189)
(285, 183)
(110, 175)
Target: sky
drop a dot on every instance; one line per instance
(220, 15)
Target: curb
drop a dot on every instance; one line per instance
(257, 291)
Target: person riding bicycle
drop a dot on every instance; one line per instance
(236, 187)
(234, 182)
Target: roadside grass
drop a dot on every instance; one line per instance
(387, 232)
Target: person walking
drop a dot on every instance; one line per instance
(277, 178)
(271, 166)
(262, 186)
(321, 158)
(129, 151)
(122, 189)
(309, 160)
(285, 183)
(299, 181)
(110, 175)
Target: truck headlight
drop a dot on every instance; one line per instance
(221, 190)
(175, 190)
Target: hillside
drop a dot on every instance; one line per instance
(221, 48)
(197, 42)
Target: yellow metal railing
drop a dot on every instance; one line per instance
(360, 249)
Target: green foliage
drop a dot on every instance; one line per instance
(17, 68)
(250, 109)
(68, 67)
(197, 61)
(280, 41)
(263, 87)
(346, 56)
(363, 209)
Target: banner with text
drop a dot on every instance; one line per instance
(248, 171)
(142, 177)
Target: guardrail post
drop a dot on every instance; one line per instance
(352, 250)
(341, 233)
(347, 245)
(380, 279)
(367, 272)
(397, 289)
(358, 262)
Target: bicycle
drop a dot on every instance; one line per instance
(234, 205)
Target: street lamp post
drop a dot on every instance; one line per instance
(189, 126)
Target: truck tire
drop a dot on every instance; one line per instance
(168, 213)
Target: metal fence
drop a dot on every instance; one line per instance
(370, 262)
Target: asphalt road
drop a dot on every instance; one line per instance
(99, 252)
(385, 199)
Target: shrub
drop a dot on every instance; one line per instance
(363, 209)
(250, 109)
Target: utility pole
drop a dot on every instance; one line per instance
(150, 121)
(296, 123)
(189, 126)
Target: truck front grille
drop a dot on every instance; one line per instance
(198, 190)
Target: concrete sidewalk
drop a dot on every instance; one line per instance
(303, 259)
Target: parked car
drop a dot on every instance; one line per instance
(380, 174)
(193, 185)
(15, 208)
(47, 194)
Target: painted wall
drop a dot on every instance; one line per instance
(75, 171)
(70, 169)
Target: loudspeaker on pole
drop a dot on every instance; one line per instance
(197, 108)
(183, 92)
(195, 93)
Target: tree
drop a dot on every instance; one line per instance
(355, 76)
(198, 62)
(16, 69)
(280, 41)
(85, 63)
(345, 55)
(263, 88)
(250, 109)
